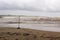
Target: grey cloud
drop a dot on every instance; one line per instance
(31, 5)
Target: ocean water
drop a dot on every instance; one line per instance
(54, 27)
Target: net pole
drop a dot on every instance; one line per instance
(19, 22)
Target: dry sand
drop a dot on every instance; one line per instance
(27, 34)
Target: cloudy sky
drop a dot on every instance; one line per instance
(30, 7)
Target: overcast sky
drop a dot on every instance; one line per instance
(30, 7)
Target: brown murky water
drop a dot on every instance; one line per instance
(30, 23)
